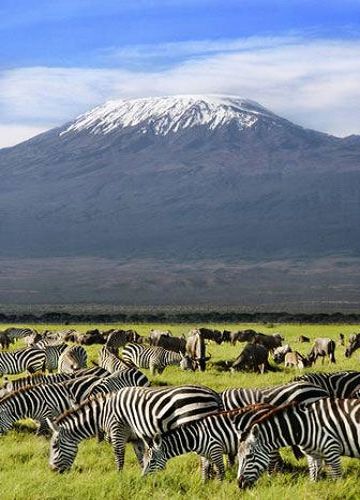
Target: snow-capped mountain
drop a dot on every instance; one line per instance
(164, 115)
(180, 176)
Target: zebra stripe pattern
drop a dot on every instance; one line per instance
(133, 413)
(19, 333)
(277, 395)
(32, 380)
(338, 384)
(72, 359)
(210, 437)
(110, 361)
(53, 354)
(325, 429)
(155, 358)
(28, 359)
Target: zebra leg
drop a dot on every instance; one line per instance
(276, 463)
(333, 461)
(206, 469)
(230, 459)
(43, 427)
(139, 449)
(314, 467)
(119, 436)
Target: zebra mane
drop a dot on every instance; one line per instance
(93, 397)
(246, 409)
(18, 391)
(274, 411)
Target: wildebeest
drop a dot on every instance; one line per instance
(271, 342)
(4, 340)
(155, 335)
(242, 336)
(196, 349)
(254, 357)
(341, 339)
(296, 360)
(226, 336)
(322, 347)
(176, 344)
(354, 343)
(302, 338)
(280, 352)
(208, 334)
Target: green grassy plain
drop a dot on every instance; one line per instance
(24, 472)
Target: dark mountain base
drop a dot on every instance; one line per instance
(328, 284)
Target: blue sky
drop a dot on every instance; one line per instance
(60, 58)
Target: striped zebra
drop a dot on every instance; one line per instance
(109, 361)
(155, 358)
(19, 333)
(324, 430)
(339, 384)
(133, 413)
(72, 359)
(28, 359)
(53, 353)
(38, 403)
(40, 378)
(277, 395)
(210, 437)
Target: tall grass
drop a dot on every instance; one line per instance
(24, 471)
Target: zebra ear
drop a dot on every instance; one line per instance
(157, 440)
(52, 425)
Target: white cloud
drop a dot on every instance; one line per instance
(13, 134)
(312, 82)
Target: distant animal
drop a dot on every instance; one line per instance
(242, 336)
(341, 339)
(154, 358)
(208, 334)
(155, 335)
(302, 338)
(280, 353)
(354, 343)
(253, 358)
(117, 339)
(176, 344)
(196, 350)
(5, 340)
(18, 333)
(271, 342)
(296, 360)
(322, 347)
(226, 336)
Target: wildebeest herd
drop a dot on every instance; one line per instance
(317, 414)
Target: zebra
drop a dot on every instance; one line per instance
(326, 429)
(155, 358)
(72, 359)
(132, 413)
(32, 380)
(19, 333)
(339, 384)
(210, 437)
(117, 380)
(109, 361)
(53, 353)
(277, 395)
(38, 403)
(27, 359)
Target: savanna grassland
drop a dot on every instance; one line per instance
(24, 471)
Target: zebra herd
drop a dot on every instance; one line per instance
(317, 414)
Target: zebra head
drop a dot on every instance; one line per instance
(63, 449)
(253, 457)
(154, 458)
(186, 363)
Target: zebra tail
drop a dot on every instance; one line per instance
(297, 452)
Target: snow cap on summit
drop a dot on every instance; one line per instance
(169, 114)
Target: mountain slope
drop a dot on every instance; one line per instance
(180, 177)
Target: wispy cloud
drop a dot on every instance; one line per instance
(312, 82)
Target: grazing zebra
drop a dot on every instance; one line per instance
(325, 429)
(133, 413)
(19, 333)
(338, 384)
(155, 358)
(210, 437)
(131, 377)
(32, 380)
(72, 359)
(277, 395)
(109, 361)
(37, 403)
(28, 359)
